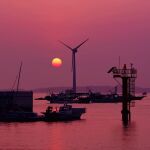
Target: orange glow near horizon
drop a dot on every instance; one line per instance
(56, 62)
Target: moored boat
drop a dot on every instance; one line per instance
(63, 113)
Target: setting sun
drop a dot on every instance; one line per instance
(56, 62)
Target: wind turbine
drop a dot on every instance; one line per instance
(74, 51)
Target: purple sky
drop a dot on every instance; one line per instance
(30, 30)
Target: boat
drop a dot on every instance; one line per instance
(62, 97)
(88, 98)
(112, 98)
(63, 113)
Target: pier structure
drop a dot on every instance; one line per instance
(128, 76)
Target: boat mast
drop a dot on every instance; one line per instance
(19, 76)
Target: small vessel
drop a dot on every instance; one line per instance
(89, 98)
(68, 96)
(63, 113)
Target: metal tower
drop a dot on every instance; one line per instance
(128, 77)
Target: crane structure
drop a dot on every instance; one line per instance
(128, 76)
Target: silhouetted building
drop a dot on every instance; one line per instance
(16, 101)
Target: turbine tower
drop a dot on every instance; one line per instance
(74, 51)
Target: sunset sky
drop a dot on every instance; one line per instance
(30, 30)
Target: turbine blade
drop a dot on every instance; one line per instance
(65, 45)
(81, 44)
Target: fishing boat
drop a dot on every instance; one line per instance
(63, 113)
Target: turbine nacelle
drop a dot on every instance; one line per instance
(75, 50)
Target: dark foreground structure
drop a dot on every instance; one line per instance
(16, 101)
(128, 77)
(17, 106)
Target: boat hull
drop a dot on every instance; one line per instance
(73, 114)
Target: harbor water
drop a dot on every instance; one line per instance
(99, 129)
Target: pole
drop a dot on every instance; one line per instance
(125, 111)
(74, 73)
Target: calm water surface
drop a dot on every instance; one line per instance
(99, 129)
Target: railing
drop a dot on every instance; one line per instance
(131, 73)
